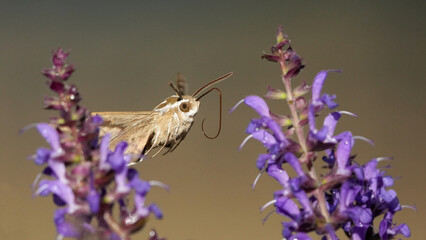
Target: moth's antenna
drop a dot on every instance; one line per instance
(181, 83)
(218, 80)
(176, 89)
(220, 113)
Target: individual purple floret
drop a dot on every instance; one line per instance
(85, 178)
(349, 196)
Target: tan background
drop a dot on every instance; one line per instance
(125, 54)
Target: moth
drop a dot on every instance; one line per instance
(164, 127)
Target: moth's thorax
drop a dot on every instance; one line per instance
(175, 118)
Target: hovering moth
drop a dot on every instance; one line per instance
(164, 127)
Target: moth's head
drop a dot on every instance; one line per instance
(188, 105)
(185, 104)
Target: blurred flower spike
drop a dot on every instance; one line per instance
(84, 177)
(349, 195)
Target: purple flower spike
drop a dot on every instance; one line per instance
(350, 196)
(86, 179)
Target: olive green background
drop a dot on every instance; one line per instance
(125, 53)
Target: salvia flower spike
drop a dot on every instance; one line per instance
(84, 178)
(350, 195)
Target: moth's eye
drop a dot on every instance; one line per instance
(184, 107)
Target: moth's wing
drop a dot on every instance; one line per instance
(181, 84)
(132, 127)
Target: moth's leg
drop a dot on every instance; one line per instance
(136, 159)
(170, 146)
(177, 144)
(165, 143)
(183, 137)
(149, 144)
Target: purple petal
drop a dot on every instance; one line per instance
(258, 104)
(116, 159)
(94, 201)
(331, 121)
(97, 120)
(311, 118)
(63, 227)
(58, 169)
(331, 232)
(304, 201)
(132, 173)
(279, 174)
(288, 228)
(370, 169)
(139, 202)
(387, 231)
(402, 229)
(156, 210)
(321, 135)
(328, 100)
(122, 186)
(103, 151)
(141, 187)
(360, 216)
(359, 233)
(254, 125)
(265, 138)
(62, 190)
(287, 207)
(318, 83)
(51, 135)
(58, 201)
(276, 129)
(42, 155)
(331, 159)
(294, 162)
(391, 200)
(388, 181)
(343, 153)
(347, 195)
(261, 160)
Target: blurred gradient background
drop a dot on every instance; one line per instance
(125, 54)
